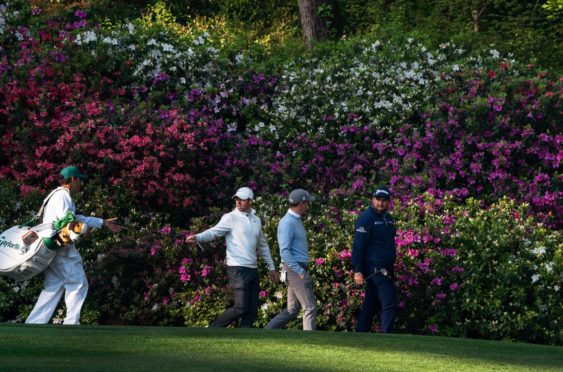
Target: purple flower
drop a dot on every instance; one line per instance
(441, 296)
(454, 287)
(436, 282)
(80, 14)
(263, 294)
(357, 185)
(433, 328)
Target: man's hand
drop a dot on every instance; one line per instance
(358, 278)
(191, 239)
(273, 274)
(111, 223)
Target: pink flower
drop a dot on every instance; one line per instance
(345, 254)
(263, 294)
(320, 261)
(166, 230)
(154, 249)
(413, 253)
(185, 277)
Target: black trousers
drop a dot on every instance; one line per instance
(245, 285)
(380, 296)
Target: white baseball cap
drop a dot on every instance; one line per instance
(244, 193)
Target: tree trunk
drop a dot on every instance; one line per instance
(314, 27)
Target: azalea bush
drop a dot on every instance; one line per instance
(168, 121)
(462, 270)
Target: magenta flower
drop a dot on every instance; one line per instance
(154, 249)
(436, 282)
(433, 328)
(454, 287)
(263, 294)
(320, 261)
(80, 14)
(441, 296)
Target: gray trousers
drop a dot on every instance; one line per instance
(299, 295)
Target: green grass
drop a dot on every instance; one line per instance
(101, 348)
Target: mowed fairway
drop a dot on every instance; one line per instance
(102, 348)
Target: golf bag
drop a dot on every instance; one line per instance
(26, 251)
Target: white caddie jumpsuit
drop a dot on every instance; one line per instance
(66, 273)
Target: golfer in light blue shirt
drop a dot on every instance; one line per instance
(294, 251)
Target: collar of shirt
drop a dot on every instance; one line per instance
(246, 214)
(293, 213)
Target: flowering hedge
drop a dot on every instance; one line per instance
(168, 125)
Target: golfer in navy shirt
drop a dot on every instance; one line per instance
(373, 257)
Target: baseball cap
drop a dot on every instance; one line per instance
(382, 192)
(72, 171)
(244, 193)
(299, 195)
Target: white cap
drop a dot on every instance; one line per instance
(244, 193)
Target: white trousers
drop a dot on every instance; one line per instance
(64, 275)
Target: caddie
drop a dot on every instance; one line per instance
(373, 257)
(66, 273)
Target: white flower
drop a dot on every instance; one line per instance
(110, 40)
(539, 250)
(494, 53)
(535, 278)
(168, 48)
(151, 41)
(199, 41)
(90, 36)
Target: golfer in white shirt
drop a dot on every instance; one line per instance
(242, 230)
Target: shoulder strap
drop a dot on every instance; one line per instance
(42, 209)
(39, 214)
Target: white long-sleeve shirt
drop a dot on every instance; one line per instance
(244, 237)
(57, 207)
(60, 203)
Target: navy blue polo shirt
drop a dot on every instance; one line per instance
(374, 241)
